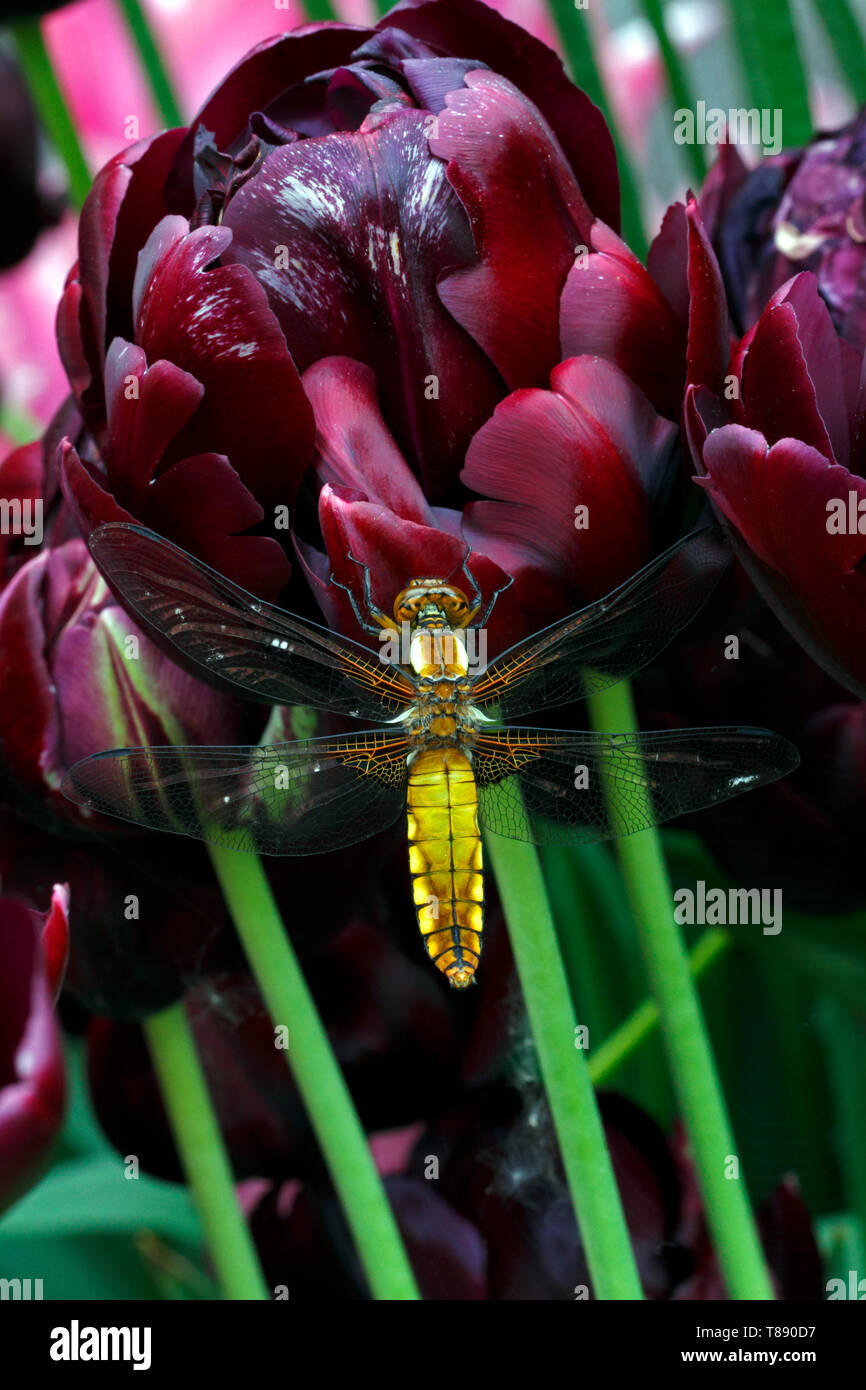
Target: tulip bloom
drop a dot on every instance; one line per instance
(805, 831)
(801, 210)
(394, 1032)
(789, 473)
(387, 260)
(560, 467)
(78, 676)
(498, 1224)
(364, 192)
(32, 1084)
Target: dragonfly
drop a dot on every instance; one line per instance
(443, 752)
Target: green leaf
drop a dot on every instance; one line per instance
(588, 949)
(38, 69)
(772, 989)
(18, 425)
(692, 1064)
(574, 33)
(91, 1196)
(847, 42)
(579, 1131)
(765, 35)
(323, 9)
(840, 1243)
(83, 1267)
(832, 954)
(677, 82)
(161, 85)
(82, 1134)
(845, 1038)
(601, 952)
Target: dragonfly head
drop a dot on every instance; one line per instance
(432, 603)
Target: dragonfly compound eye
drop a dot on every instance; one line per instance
(430, 598)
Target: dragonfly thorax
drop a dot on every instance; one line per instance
(438, 652)
(436, 613)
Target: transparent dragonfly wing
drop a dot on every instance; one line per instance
(239, 642)
(285, 799)
(552, 787)
(609, 640)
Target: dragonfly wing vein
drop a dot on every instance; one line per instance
(556, 787)
(284, 799)
(239, 642)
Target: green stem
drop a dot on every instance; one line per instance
(642, 1023)
(564, 1070)
(693, 1067)
(151, 60)
(51, 105)
(203, 1154)
(316, 1073)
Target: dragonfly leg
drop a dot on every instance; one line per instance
(485, 616)
(376, 619)
(478, 596)
(476, 592)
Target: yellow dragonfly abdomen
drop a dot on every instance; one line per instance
(445, 860)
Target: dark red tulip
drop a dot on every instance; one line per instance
(77, 677)
(395, 1034)
(802, 210)
(578, 478)
(21, 487)
(561, 471)
(485, 1214)
(350, 191)
(54, 938)
(788, 473)
(783, 1225)
(433, 193)
(36, 514)
(32, 1084)
(782, 452)
(603, 441)
(498, 1167)
(297, 1230)
(371, 507)
(805, 831)
(665, 325)
(150, 923)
